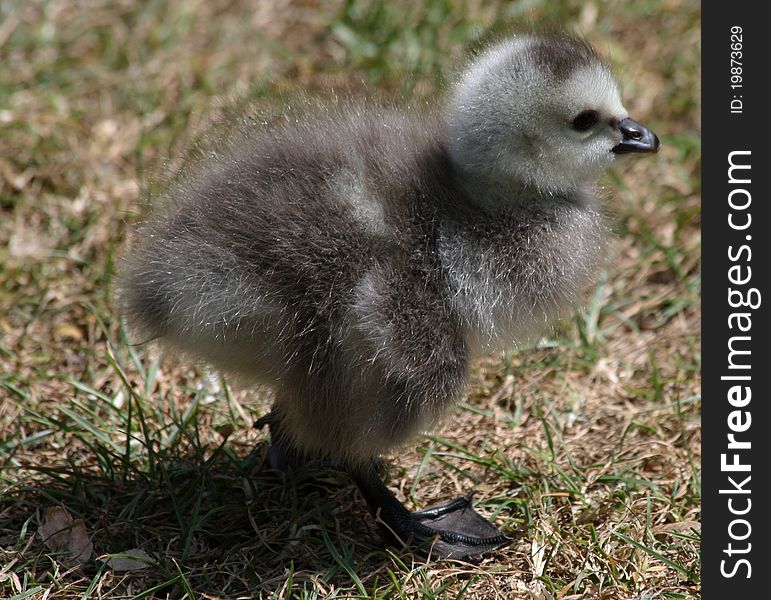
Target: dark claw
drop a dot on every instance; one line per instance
(264, 420)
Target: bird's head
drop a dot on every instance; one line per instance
(540, 111)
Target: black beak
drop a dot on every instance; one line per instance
(637, 138)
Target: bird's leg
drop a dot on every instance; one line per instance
(280, 456)
(451, 530)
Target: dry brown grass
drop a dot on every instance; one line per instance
(590, 444)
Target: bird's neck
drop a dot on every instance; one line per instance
(499, 192)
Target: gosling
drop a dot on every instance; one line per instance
(358, 259)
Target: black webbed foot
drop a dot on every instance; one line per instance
(452, 530)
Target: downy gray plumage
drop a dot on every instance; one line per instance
(358, 259)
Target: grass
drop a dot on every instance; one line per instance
(588, 444)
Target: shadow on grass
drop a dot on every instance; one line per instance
(218, 525)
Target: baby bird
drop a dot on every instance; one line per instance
(358, 259)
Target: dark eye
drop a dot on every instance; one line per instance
(585, 120)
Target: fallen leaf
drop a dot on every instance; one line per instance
(65, 536)
(683, 527)
(69, 332)
(135, 559)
